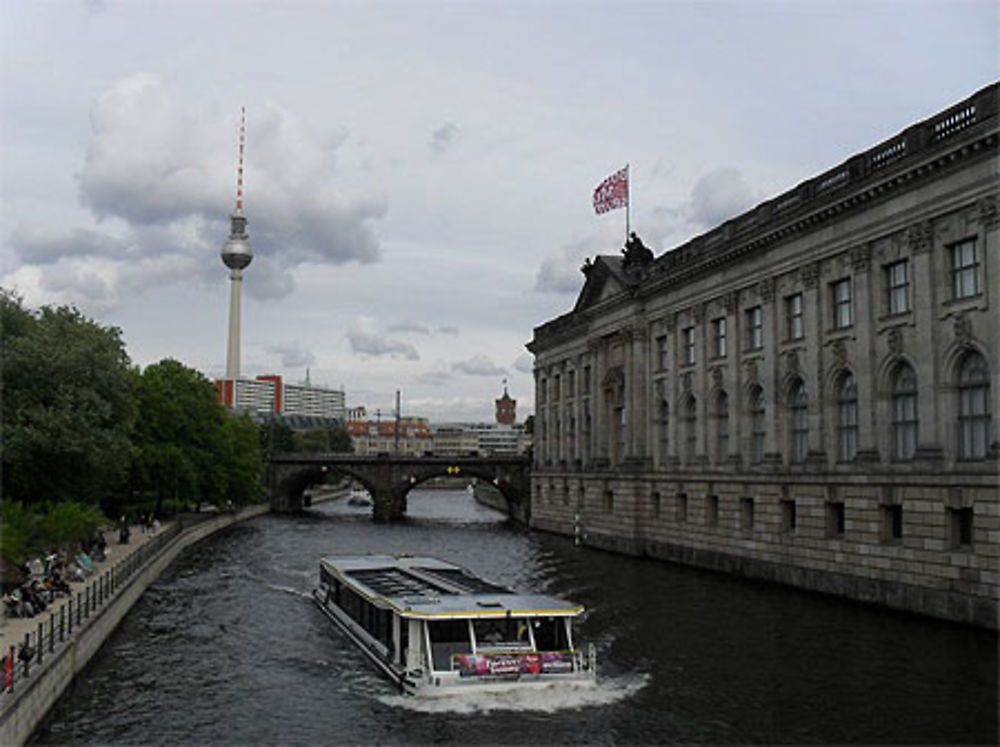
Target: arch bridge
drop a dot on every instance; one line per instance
(389, 477)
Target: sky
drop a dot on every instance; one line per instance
(418, 174)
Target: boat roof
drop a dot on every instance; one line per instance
(428, 587)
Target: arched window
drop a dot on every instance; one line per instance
(664, 430)
(904, 412)
(799, 409)
(847, 418)
(973, 407)
(722, 427)
(691, 428)
(758, 429)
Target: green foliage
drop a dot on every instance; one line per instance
(340, 440)
(529, 425)
(243, 460)
(32, 531)
(187, 445)
(67, 407)
(18, 534)
(66, 525)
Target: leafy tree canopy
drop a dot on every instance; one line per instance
(67, 405)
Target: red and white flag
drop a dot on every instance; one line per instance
(612, 192)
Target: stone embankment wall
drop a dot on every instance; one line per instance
(22, 710)
(753, 531)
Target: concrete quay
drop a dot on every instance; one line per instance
(65, 655)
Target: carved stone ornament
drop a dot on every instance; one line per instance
(792, 362)
(687, 382)
(717, 377)
(752, 374)
(840, 353)
(730, 301)
(698, 313)
(810, 275)
(671, 321)
(963, 329)
(661, 389)
(920, 236)
(861, 257)
(988, 212)
(895, 340)
(765, 289)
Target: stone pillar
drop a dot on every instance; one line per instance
(600, 406)
(812, 364)
(638, 382)
(769, 370)
(864, 347)
(930, 434)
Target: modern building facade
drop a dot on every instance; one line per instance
(271, 395)
(807, 393)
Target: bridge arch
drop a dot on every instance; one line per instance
(390, 478)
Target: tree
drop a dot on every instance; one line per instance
(67, 408)
(340, 440)
(243, 460)
(529, 425)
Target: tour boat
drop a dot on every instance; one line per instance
(359, 497)
(434, 628)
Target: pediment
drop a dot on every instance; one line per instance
(604, 280)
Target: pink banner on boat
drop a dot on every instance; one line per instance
(498, 665)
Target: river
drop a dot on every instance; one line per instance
(227, 649)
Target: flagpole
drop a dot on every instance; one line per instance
(628, 201)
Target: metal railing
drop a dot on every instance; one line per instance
(19, 662)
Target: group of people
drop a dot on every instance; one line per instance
(41, 581)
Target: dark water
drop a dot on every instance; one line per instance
(226, 649)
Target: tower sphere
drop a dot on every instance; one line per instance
(236, 252)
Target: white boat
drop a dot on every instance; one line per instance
(359, 497)
(435, 629)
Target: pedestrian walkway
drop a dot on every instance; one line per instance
(14, 629)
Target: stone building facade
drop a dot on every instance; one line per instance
(806, 394)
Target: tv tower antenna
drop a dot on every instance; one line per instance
(236, 255)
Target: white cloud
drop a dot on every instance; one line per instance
(525, 363)
(366, 338)
(293, 354)
(160, 182)
(417, 328)
(443, 138)
(718, 196)
(478, 365)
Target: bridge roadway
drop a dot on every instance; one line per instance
(389, 477)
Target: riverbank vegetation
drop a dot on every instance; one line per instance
(87, 435)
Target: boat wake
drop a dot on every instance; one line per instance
(290, 590)
(547, 700)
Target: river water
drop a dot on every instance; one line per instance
(227, 649)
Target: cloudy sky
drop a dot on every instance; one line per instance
(419, 174)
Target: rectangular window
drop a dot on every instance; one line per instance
(793, 316)
(835, 519)
(619, 433)
(654, 507)
(555, 389)
(586, 380)
(755, 328)
(609, 502)
(960, 527)
(746, 513)
(571, 384)
(788, 516)
(542, 390)
(897, 279)
(687, 336)
(842, 314)
(711, 510)
(682, 507)
(661, 353)
(965, 269)
(892, 522)
(719, 337)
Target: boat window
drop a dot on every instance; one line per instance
(550, 633)
(502, 632)
(448, 637)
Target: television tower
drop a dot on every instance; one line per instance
(236, 255)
